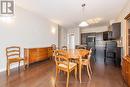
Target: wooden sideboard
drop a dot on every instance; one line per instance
(126, 69)
(33, 55)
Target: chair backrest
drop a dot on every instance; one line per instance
(61, 57)
(80, 47)
(53, 47)
(13, 52)
(83, 52)
(64, 47)
(90, 53)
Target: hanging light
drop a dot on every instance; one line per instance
(83, 23)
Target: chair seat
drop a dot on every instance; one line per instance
(15, 59)
(71, 65)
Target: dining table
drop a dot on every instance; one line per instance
(75, 53)
(77, 56)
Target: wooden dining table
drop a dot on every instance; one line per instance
(74, 53)
(75, 56)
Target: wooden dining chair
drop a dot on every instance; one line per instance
(63, 64)
(13, 56)
(83, 61)
(53, 47)
(51, 51)
(64, 47)
(80, 47)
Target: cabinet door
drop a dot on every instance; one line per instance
(42, 54)
(33, 55)
(105, 35)
(110, 35)
(125, 69)
(128, 74)
(128, 41)
(116, 30)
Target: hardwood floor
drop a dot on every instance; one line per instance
(42, 74)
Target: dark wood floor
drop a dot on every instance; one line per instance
(43, 75)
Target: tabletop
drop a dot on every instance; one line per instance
(74, 53)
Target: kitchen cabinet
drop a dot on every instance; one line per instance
(116, 30)
(105, 35)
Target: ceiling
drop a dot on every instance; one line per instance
(69, 12)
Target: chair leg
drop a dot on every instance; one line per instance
(24, 65)
(28, 65)
(88, 72)
(57, 73)
(76, 72)
(80, 67)
(90, 68)
(68, 76)
(6, 66)
(19, 65)
(50, 58)
(8, 69)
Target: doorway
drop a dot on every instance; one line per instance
(71, 41)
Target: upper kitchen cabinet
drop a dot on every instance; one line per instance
(107, 35)
(116, 30)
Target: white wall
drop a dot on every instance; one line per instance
(63, 37)
(121, 17)
(94, 29)
(26, 30)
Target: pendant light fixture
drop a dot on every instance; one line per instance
(83, 23)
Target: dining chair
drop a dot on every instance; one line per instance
(83, 61)
(63, 64)
(13, 56)
(64, 47)
(53, 46)
(50, 53)
(80, 47)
